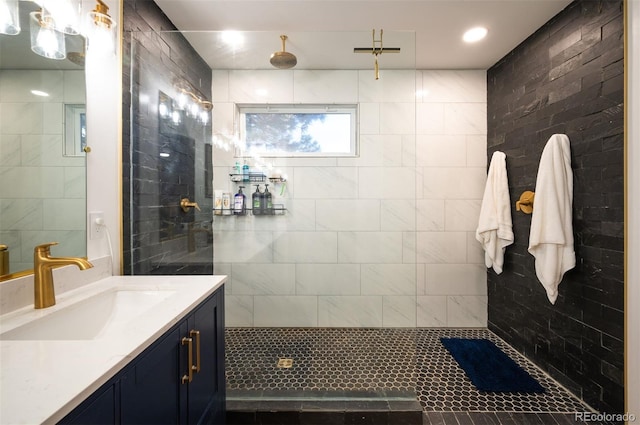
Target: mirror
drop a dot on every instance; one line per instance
(42, 136)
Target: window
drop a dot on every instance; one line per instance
(298, 130)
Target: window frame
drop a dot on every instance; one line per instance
(352, 109)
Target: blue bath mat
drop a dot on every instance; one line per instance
(489, 368)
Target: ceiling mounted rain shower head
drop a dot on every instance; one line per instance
(283, 59)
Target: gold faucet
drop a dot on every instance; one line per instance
(43, 263)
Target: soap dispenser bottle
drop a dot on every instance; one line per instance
(256, 201)
(268, 201)
(239, 202)
(245, 172)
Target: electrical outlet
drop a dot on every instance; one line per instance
(97, 230)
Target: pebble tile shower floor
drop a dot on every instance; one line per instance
(382, 363)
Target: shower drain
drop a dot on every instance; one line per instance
(285, 363)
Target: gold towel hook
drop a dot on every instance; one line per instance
(525, 204)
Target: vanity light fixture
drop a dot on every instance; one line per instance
(101, 29)
(45, 40)
(66, 14)
(376, 50)
(475, 34)
(9, 17)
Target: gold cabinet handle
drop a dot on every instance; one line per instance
(195, 333)
(187, 378)
(185, 204)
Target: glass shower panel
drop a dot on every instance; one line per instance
(322, 297)
(168, 193)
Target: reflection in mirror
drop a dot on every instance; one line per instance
(42, 136)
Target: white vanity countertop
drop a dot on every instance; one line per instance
(42, 381)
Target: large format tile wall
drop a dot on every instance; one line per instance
(35, 175)
(568, 78)
(384, 239)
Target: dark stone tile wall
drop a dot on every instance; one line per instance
(566, 78)
(159, 238)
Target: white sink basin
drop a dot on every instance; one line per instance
(89, 318)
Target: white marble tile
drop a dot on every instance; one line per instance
(409, 150)
(376, 150)
(304, 162)
(370, 247)
(429, 118)
(22, 118)
(16, 85)
(238, 310)
(243, 247)
(325, 86)
(258, 86)
(456, 279)
(327, 279)
(409, 245)
(399, 311)
(220, 85)
(476, 150)
(454, 86)
(349, 311)
(305, 247)
(430, 215)
(454, 183)
(23, 214)
(475, 253)
(421, 279)
(75, 182)
(397, 118)
(224, 118)
(441, 150)
(369, 118)
(388, 279)
(275, 311)
(74, 87)
(263, 279)
(441, 247)
(10, 151)
(53, 118)
(398, 215)
(467, 311)
(32, 182)
(326, 182)
(461, 215)
(386, 183)
(432, 312)
(69, 214)
(348, 214)
(465, 118)
(46, 150)
(393, 86)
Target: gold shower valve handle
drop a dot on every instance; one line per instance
(185, 204)
(525, 203)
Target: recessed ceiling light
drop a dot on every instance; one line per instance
(233, 39)
(475, 34)
(39, 93)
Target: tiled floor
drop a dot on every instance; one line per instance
(377, 362)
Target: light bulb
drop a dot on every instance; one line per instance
(45, 40)
(9, 17)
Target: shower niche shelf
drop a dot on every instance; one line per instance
(251, 178)
(278, 209)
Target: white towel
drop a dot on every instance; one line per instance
(551, 237)
(495, 231)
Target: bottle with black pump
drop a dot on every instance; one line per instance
(256, 199)
(268, 201)
(240, 202)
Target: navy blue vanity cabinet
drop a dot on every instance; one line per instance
(179, 379)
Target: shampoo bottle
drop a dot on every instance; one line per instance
(255, 200)
(239, 202)
(268, 201)
(245, 172)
